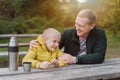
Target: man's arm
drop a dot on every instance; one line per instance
(96, 57)
(68, 58)
(33, 44)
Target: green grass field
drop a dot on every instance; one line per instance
(113, 49)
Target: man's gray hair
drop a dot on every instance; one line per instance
(88, 13)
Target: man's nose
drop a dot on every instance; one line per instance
(77, 27)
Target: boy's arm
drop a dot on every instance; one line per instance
(57, 61)
(30, 57)
(45, 65)
(62, 63)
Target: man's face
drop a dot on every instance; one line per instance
(82, 27)
(52, 43)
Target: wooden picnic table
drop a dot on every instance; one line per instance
(109, 69)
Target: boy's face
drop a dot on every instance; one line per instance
(52, 42)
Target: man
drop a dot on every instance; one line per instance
(84, 44)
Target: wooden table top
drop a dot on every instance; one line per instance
(110, 68)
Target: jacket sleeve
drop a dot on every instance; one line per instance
(30, 57)
(98, 54)
(61, 63)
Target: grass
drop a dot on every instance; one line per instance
(113, 49)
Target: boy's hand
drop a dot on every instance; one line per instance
(55, 62)
(44, 65)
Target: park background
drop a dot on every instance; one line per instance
(33, 16)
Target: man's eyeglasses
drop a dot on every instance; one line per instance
(78, 25)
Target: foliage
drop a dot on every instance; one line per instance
(13, 8)
(38, 24)
(15, 26)
(113, 18)
(11, 16)
(40, 14)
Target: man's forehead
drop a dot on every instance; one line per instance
(81, 20)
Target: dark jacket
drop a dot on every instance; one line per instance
(96, 44)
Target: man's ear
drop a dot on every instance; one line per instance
(92, 26)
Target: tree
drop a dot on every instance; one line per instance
(11, 16)
(113, 17)
(13, 8)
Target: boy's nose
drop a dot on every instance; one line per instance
(57, 44)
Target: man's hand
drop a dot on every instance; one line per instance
(33, 44)
(68, 58)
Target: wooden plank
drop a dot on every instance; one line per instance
(18, 35)
(19, 44)
(5, 54)
(109, 69)
(69, 74)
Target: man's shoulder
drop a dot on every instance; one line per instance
(69, 30)
(98, 30)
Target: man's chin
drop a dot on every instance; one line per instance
(80, 34)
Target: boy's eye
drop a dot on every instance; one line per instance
(54, 41)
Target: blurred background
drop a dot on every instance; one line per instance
(33, 16)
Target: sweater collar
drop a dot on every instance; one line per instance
(75, 38)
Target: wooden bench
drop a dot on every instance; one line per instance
(109, 69)
(8, 36)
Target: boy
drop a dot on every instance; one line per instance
(47, 52)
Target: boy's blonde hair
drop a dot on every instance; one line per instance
(49, 32)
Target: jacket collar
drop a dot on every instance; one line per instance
(75, 38)
(91, 32)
